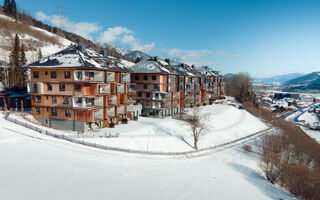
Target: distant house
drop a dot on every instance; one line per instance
(280, 95)
(308, 98)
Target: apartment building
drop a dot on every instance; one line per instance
(78, 89)
(165, 89)
(156, 88)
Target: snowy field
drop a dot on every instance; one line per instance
(225, 123)
(34, 166)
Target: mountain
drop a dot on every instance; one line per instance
(278, 79)
(135, 54)
(120, 50)
(307, 82)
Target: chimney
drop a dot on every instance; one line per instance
(81, 47)
(155, 58)
(104, 52)
(167, 60)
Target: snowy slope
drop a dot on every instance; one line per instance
(35, 167)
(47, 48)
(225, 124)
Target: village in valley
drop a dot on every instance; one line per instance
(93, 114)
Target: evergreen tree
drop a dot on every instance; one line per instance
(7, 5)
(40, 54)
(22, 71)
(17, 74)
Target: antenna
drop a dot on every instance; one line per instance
(60, 14)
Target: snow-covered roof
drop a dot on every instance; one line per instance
(150, 66)
(75, 58)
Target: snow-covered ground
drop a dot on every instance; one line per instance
(225, 123)
(312, 133)
(35, 166)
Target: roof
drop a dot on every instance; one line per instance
(150, 67)
(73, 57)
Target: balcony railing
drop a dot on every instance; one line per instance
(125, 77)
(120, 88)
(34, 88)
(130, 108)
(132, 87)
(110, 76)
(88, 76)
(104, 89)
(172, 79)
(112, 100)
(111, 112)
(98, 114)
(87, 102)
(121, 109)
(176, 95)
(172, 88)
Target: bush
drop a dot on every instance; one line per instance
(247, 148)
(290, 157)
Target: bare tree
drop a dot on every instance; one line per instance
(197, 122)
(276, 156)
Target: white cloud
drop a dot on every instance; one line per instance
(113, 34)
(84, 29)
(134, 44)
(42, 16)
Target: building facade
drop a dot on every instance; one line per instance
(76, 90)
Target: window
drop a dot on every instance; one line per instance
(154, 77)
(68, 113)
(67, 74)
(145, 78)
(156, 86)
(53, 74)
(49, 87)
(136, 78)
(139, 94)
(148, 94)
(147, 103)
(65, 100)
(37, 110)
(46, 72)
(77, 87)
(62, 87)
(145, 86)
(157, 95)
(35, 87)
(38, 98)
(47, 97)
(54, 99)
(54, 112)
(35, 74)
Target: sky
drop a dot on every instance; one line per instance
(261, 37)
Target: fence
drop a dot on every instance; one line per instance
(104, 147)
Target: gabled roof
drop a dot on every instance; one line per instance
(150, 66)
(206, 71)
(73, 57)
(69, 57)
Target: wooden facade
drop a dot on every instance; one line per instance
(98, 98)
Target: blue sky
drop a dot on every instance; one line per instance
(263, 38)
